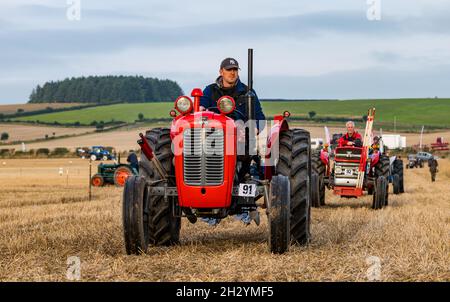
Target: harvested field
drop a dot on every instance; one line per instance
(19, 132)
(46, 218)
(10, 109)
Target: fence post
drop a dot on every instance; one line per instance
(90, 172)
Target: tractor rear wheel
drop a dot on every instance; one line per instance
(315, 196)
(319, 167)
(295, 163)
(97, 180)
(93, 157)
(135, 216)
(279, 214)
(164, 226)
(121, 174)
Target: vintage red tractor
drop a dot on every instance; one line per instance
(194, 169)
(351, 171)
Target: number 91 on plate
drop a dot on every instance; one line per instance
(247, 190)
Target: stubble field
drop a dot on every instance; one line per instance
(46, 218)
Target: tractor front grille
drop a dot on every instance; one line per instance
(203, 156)
(346, 174)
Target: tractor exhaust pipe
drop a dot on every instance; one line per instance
(250, 95)
(250, 148)
(148, 151)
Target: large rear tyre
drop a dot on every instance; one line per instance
(164, 225)
(121, 174)
(135, 216)
(279, 215)
(319, 167)
(295, 163)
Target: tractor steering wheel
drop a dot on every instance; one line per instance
(218, 111)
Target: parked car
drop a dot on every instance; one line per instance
(414, 162)
(100, 153)
(424, 156)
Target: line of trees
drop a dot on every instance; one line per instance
(106, 89)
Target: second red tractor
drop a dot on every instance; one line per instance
(351, 171)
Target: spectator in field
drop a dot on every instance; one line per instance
(433, 165)
(133, 160)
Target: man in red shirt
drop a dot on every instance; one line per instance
(352, 137)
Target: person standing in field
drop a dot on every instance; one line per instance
(433, 165)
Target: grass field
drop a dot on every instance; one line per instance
(407, 112)
(46, 218)
(10, 109)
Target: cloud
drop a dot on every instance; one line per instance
(366, 83)
(320, 44)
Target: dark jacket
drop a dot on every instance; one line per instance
(132, 159)
(433, 164)
(213, 92)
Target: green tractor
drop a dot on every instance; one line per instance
(115, 173)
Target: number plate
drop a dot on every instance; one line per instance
(348, 172)
(247, 190)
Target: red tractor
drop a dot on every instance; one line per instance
(351, 171)
(194, 169)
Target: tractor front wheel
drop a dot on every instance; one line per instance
(382, 170)
(380, 194)
(164, 224)
(396, 183)
(279, 214)
(319, 167)
(315, 195)
(135, 216)
(97, 180)
(398, 169)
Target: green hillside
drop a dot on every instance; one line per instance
(433, 112)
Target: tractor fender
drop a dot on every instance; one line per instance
(375, 158)
(273, 137)
(324, 157)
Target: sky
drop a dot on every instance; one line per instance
(303, 49)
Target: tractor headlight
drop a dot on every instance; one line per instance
(226, 104)
(338, 170)
(183, 104)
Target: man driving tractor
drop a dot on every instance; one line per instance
(352, 137)
(229, 84)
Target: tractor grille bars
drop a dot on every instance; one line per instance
(203, 156)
